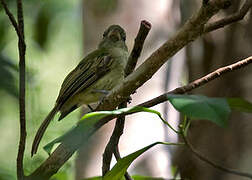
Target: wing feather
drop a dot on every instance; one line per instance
(84, 75)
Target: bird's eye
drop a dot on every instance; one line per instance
(123, 38)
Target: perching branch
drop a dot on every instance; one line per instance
(210, 162)
(112, 145)
(230, 19)
(199, 82)
(193, 28)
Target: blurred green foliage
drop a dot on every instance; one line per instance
(8, 76)
(41, 26)
(8, 70)
(101, 8)
(53, 39)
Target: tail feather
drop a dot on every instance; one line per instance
(42, 130)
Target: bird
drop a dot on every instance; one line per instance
(95, 75)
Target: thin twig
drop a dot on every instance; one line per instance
(144, 29)
(22, 49)
(199, 82)
(229, 19)
(113, 142)
(12, 19)
(112, 145)
(210, 162)
(10, 15)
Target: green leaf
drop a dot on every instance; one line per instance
(216, 110)
(240, 104)
(118, 171)
(76, 132)
(102, 114)
(8, 76)
(48, 147)
(88, 121)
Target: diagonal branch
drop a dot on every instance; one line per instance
(199, 82)
(230, 19)
(192, 29)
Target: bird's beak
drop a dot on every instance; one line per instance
(114, 35)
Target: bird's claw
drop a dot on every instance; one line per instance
(129, 99)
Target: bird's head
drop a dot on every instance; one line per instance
(114, 36)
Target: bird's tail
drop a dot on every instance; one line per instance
(42, 130)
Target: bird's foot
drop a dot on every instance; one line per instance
(129, 99)
(90, 107)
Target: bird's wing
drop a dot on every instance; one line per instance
(88, 71)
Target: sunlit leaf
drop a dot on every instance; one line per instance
(88, 121)
(60, 176)
(135, 109)
(103, 114)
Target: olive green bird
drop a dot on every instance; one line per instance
(99, 72)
